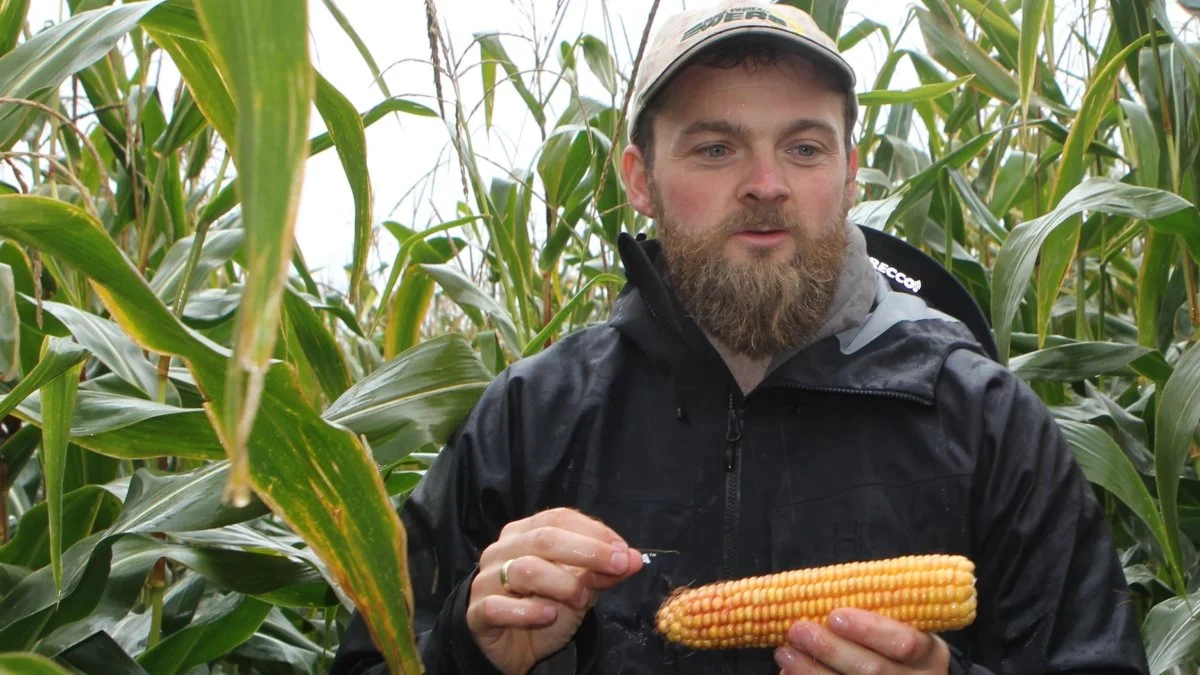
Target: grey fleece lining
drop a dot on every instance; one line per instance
(852, 301)
(892, 308)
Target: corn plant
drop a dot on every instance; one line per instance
(202, 449)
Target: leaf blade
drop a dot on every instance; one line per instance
(262, 51)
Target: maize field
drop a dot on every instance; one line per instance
(204, 438)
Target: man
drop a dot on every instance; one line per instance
(760, 400)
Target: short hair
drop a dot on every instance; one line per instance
(734, 54)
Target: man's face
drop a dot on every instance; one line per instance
(750, 188)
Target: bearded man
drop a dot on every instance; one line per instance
(760, 400)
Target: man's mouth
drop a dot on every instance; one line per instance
(762, 237)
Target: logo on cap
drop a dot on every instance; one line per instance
(736, 14)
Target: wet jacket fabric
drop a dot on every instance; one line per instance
(896, 437)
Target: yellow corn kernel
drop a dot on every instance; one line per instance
(928, 592)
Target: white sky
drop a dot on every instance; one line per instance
(403, 149)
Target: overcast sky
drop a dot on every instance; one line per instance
(402, 150)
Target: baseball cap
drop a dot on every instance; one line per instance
(684, 35)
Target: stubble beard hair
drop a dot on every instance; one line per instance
(761, 307)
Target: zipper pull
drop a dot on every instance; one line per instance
(733, 437)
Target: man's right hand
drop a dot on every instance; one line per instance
(558, 563)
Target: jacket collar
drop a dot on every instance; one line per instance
(898, 350)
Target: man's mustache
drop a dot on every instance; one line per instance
(761, 220)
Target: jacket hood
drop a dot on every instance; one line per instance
(897, 348)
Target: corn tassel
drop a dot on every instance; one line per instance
(931, 593)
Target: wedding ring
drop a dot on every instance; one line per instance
(504, 575)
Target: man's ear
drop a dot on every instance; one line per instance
(637, 180)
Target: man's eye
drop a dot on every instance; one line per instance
(716, 151)
(805, 150)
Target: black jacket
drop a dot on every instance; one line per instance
(897, 438)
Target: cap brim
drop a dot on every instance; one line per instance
(784, 39)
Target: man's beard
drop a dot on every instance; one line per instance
(761, 307)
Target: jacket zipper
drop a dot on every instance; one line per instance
(733, 446)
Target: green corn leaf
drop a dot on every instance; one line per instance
(1105, 464)
(963, 57)
(415, 249)
(220, 624)
(998, 24)
(474, 302)
(172, 503)
(416, 389)
(1144, 143)
(58, 356)
(595, 52)
(1015, 261)
(492, 52)
(1172, 633)
(219, 248)
(510, 200)
(349, 138)
(187, 121)
(105, 340)
(1175, 421)
(134, 428)
(565, 159)
(863, 30)
(332, 474)
(212, 307)
(826, 13)
(1034, 14)
(245, 560)
(318, 344)
(10, 326)
(1059, 249)
(83, 510)
(18, 449)
(99, 653)
(1077, 361)
(12, 18)
(40, 64)
(262, 51)
(567, 310)
(28, 664)
(279, 647)
(921, 93)
(176, 28)
(58, 398)
(1153, 283)
(407, 309)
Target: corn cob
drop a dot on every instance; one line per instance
(928, 592)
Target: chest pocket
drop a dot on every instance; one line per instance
(872, 521)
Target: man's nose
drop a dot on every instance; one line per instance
(764, 183)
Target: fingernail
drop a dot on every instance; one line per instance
(620, 561)
(838, 621)
(784, 657)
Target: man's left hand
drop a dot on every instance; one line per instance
(858, 642)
